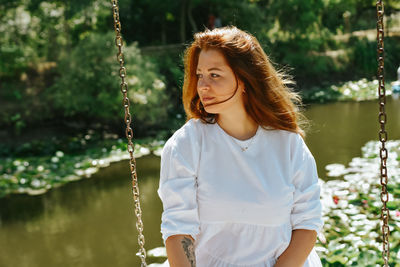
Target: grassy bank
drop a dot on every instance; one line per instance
(37, 166)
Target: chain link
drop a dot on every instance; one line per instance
(382, 132)
(129, 132)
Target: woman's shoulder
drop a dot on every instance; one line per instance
(285, 140)
(285, 136)
(289, 143)
(187, 136)
(190, 130)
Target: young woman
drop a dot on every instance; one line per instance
(238, 184)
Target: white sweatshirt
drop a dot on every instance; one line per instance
(239, 206)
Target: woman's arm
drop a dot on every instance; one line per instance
(300, 246)
(180, 251)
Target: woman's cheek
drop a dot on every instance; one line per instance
(218, 82)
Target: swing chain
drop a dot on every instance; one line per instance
(129, 132)
(382, 133)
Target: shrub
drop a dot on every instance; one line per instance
(88, 85)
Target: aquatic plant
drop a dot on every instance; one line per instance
(351, 210)
(352, 90)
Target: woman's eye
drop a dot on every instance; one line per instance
(199, 75)
(214, 75)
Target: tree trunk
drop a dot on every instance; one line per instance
(387, 19)
(163, 33)
(183, 21)
(190, 16)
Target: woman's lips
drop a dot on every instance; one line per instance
(206, 99)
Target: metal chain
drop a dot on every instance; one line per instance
(382, 133)
(129, 132)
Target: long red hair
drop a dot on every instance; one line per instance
(268, 99)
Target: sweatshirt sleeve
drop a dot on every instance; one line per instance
(177, 188)
(307, 209)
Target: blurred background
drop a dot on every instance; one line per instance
(61, 115)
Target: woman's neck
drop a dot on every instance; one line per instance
(238, 125)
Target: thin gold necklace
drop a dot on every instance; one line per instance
(248, 145)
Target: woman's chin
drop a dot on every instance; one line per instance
(211, 110)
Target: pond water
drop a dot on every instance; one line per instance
(91, 222)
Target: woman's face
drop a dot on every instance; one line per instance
(217, 86)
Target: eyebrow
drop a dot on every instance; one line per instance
(212, 69)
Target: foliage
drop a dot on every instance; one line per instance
(171, 67)
(298, 17)
(12, 60)
(14, 54)
(55, 55)
(85, 85)
(364, 56)
(87, 88)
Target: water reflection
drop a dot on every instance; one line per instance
(86, 223)
(339, 130)
(91, 222)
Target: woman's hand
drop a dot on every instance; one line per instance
(180, 251)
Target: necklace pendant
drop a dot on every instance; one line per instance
(243, 148)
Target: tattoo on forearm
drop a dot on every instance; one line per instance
(188, 247)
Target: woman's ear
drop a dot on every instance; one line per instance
(242, 87)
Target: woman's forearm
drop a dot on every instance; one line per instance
(301, 244)
(180, 251)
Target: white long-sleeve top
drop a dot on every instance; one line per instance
(240, 207)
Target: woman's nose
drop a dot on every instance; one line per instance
(202, 84)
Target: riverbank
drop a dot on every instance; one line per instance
(360, 90)
(34, 175)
